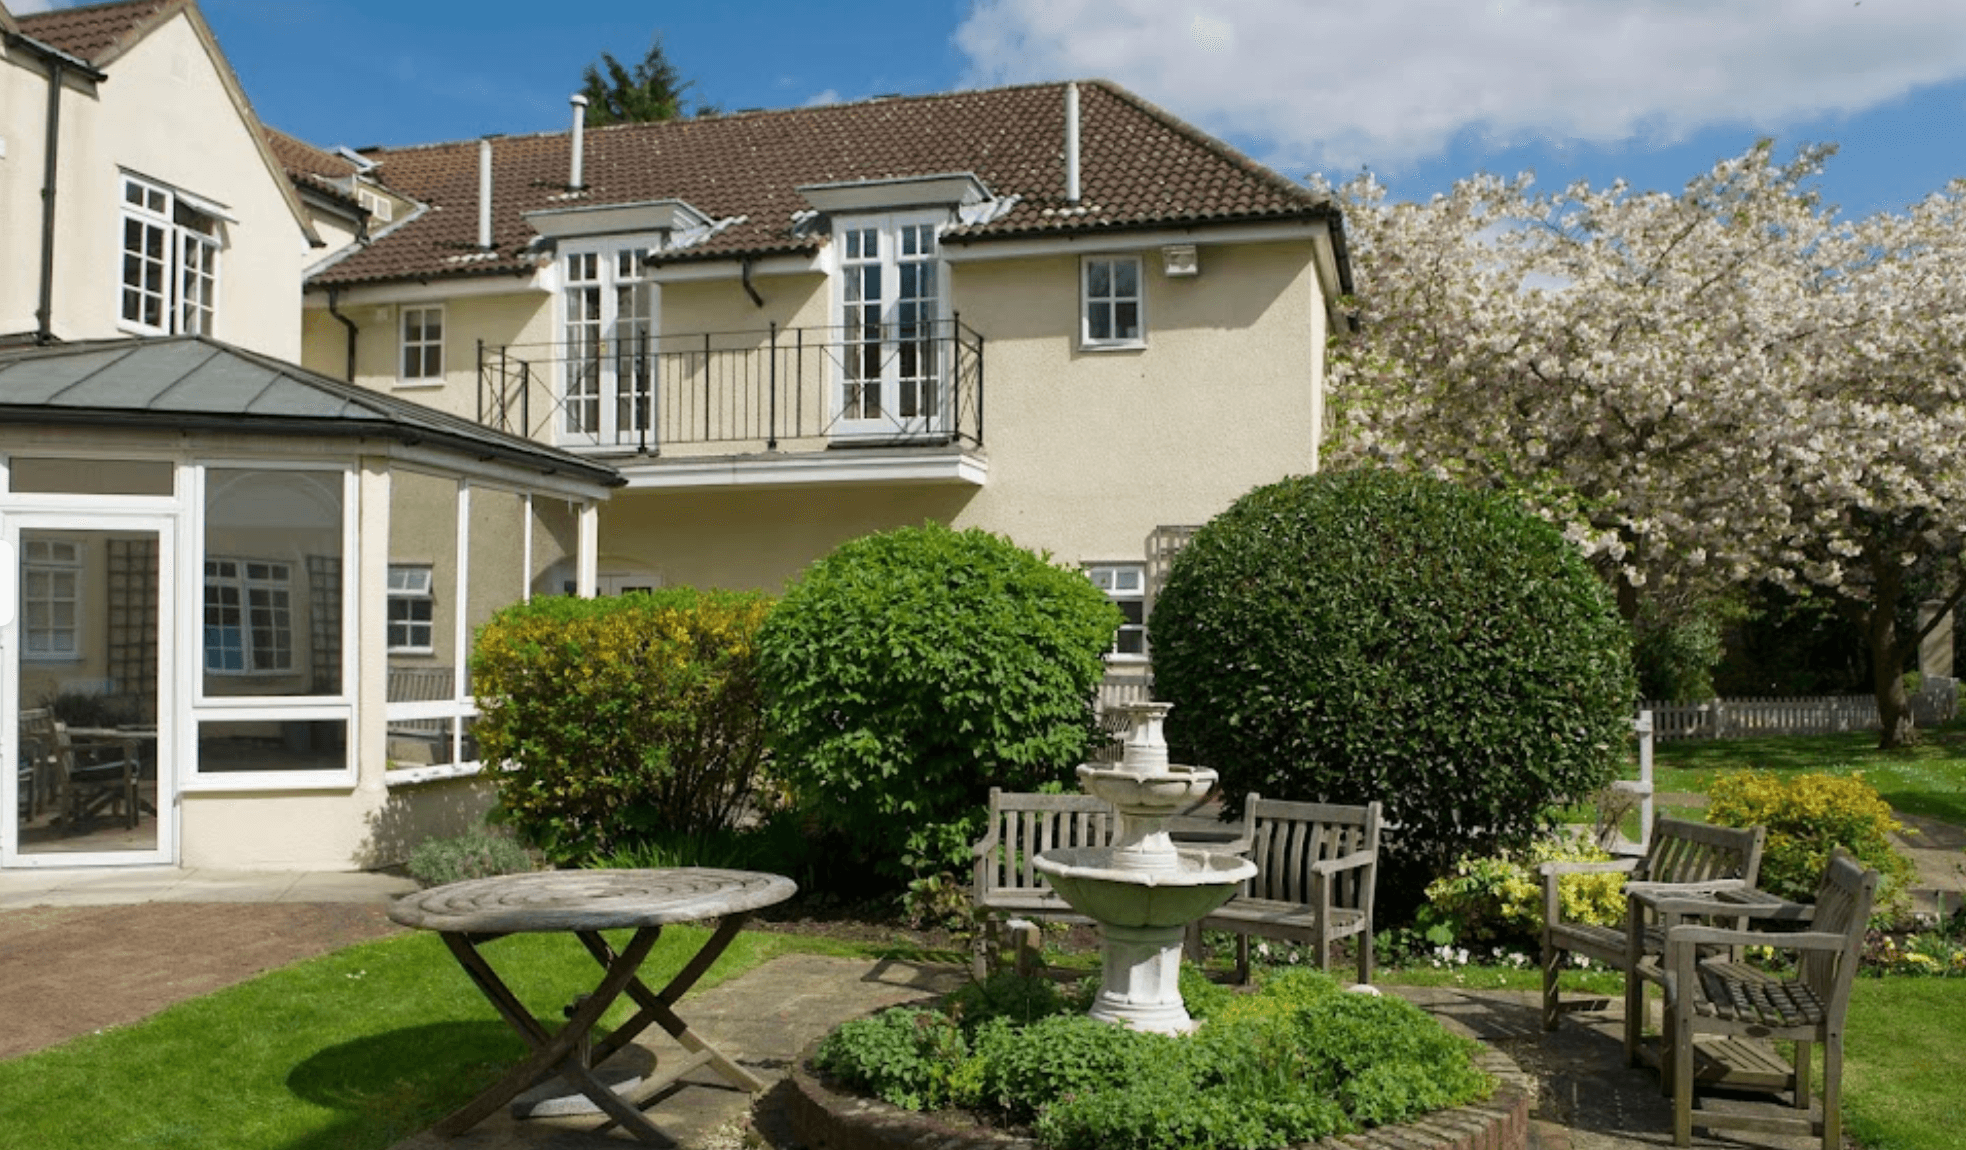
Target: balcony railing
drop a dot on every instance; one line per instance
(733, 392)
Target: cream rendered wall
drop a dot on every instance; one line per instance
(165, 114)
(520, 317)
(281, 830)
(23, 120)
(1088, 452)
(1091, 450)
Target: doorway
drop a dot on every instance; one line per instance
(87, 656)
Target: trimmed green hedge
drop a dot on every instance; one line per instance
(909, 671)
(1370, 635)
(624, 717)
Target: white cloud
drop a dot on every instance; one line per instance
(1332, 84)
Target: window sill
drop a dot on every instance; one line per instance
(411, 776)
(418, 384)
(1101, 348)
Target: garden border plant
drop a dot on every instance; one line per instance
(1297, 1061)
(910, 670)
(1369, 634)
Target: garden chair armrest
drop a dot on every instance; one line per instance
(1348, 862)
(1683, 939)
(984, 846)
(1654, 891)
(1551, 870)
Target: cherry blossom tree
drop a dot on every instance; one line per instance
(1725, 384)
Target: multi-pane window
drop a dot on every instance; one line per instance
(412, 609)
(1110, 315)
(1126, 585)
(890, 309)
(170, 260)
(248, 616)
(423, 343)
(51, 599)
(609, 328)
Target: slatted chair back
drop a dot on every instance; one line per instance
(1843, 905)
(1683, 851)
(1288, 839)
(1024, 826)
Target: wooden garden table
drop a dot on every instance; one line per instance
(585, 903)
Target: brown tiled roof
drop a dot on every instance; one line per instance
(1140, 168)
(312, 167)
(93, 32)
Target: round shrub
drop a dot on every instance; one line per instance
(1807, 817)
(1371, 635)
(911, 670)
(1500, 898)
(623, 718)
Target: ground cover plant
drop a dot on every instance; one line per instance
(356, 1050)
(1297, 1061)
(1367, 635)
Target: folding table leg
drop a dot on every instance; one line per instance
(659, 1007)
(557, 1053)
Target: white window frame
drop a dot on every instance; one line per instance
(1112, 578)
(423, 344)
(1112, 300)
(243, 579)
(604, 404)
(50, 564)
(904, 404)
(411, 585)
(172, 285)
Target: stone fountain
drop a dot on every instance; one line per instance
(1143, 890)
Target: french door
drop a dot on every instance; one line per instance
(608, 310)
(87, 655)
(891, 317)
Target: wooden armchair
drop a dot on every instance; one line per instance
(1684, 858)
(91, 774)
(1005, 885)
(1743, 1008)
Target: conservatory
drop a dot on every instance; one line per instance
(237, 601)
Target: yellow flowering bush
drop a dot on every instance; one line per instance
(1807, 816)
(621, 717)
(1500, 897)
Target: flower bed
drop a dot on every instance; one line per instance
(1010, 1062)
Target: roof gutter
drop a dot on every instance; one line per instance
(59, 65)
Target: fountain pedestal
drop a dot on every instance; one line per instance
(1143, 891)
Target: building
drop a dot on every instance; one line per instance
(281, 424)
(202, 544)
(1053, 311)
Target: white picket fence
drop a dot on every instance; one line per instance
(1936, 701)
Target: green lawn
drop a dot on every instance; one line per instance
(351, 1051)
(1901, 1062)
(1927, 779)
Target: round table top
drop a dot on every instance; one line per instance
(588, 899)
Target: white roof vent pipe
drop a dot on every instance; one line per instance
(484, 193)
(574, 176)
(1072, 143)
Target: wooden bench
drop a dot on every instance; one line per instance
(1684, 858)
(1004, 884)
(1316, 868)
(1006, 887)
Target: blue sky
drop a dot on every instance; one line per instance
(1420, 91)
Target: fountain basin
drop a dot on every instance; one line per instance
(1175, 789)
(1088, 878)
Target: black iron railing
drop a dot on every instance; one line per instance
(771, 389)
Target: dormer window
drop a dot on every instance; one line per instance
(171, 241)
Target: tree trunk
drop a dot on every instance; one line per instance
(1887, 656)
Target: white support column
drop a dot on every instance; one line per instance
(370, 649)
(461, 614)
(589, 560)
